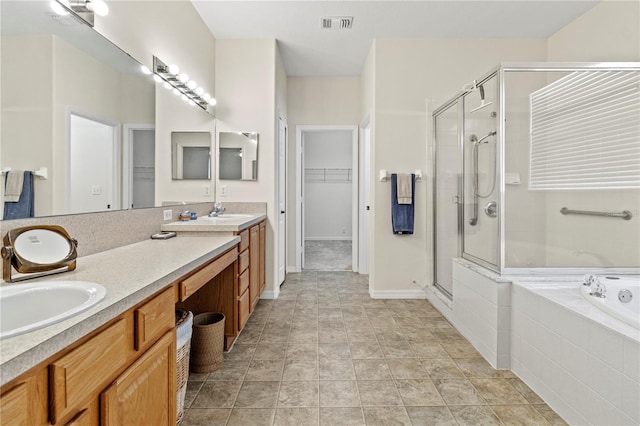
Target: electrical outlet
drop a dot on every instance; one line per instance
(167, 214)
(223, 190)
(207, 191)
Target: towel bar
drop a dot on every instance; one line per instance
(625, 214)
(42, 172)
(385, 175)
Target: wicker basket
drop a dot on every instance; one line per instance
(208, 342)
(184, 327)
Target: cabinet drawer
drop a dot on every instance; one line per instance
(243, 282)
(88, 368)
(190, 285)
(244, 260)
(244, 240)
(243, 309)
(153, 319)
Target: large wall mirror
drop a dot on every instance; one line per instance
(238, 156)
(74, 103)
(191, 155)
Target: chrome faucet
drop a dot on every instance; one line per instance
(597, 289)
(217, 209)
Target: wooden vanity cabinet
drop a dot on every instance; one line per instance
(119, 374)
(261, 256)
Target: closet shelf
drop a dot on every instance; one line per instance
(328, 175)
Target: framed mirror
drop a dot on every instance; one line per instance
(238, 156)
(191, 155)
(74, 104)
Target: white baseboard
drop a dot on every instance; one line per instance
(440, 302)
(392, 294)
(292, 269)
(270, 294)
(341, 238)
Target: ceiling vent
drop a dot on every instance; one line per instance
(337, 23)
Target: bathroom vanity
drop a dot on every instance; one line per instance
(116, 362)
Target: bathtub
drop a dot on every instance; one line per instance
(622, 298)
(578, 352)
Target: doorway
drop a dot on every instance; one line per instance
(139, 171)
(327, 198)
(93, 165)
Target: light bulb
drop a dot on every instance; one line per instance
(192, 85)
(173, 69)
(157, 78)
(212, 101)
(206, 97)
(199, 91)
(145, 70)
(98, 7)
(58, 9)
(167, 85)
(176, 92)
(183, 78)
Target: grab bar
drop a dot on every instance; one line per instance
(625, 214)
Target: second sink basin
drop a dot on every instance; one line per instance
(230, 216)
(26, 307)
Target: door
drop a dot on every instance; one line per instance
(94, 165)
(447, 211)
(146, 392)
(365, 170)
(282, 199)
(143, 171)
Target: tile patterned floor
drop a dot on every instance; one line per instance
(325, 353)
(327, 255)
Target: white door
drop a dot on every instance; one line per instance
(365, 169)
(282, 175)
(143, 170)
(94, 171)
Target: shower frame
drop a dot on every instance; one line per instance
(499, 72)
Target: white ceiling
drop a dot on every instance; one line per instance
(308, 50)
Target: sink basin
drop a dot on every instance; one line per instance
(230, 216)
(26, 307)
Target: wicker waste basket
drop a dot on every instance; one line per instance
(184, 327)
(207, 344)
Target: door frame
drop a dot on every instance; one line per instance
(364, 188)
(300, 131)
(127, 159)
(281, 191)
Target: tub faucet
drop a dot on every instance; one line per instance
(589, 279)
(598, 289)
(217, 209)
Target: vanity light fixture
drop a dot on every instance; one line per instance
(181, 84)
(84, 9)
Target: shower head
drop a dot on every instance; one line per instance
(474, 139)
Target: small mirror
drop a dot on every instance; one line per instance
(191, 155)
(238, 156)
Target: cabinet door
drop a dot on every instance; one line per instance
(14, 409)
(26, 402)
(254, 251)
(145, 394)
(261, 259)
(87, 417)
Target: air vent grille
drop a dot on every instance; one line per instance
(337, 23)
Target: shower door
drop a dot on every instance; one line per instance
(447, 182)
(481, 174)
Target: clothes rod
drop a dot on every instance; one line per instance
(385, 175)
(625, 214)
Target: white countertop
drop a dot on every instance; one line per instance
(130, 274)
(212, 224)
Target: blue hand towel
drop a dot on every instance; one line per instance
(23, 208)
(402, 214)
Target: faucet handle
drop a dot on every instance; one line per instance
(589, 279)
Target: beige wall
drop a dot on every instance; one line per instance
(610, 31)
(408, 73)
(320, 101)
(246, 75)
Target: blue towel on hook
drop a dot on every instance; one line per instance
(23, 208)
(402, 214)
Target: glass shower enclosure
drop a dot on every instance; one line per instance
(537, 165)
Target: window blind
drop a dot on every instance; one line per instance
(585, 132)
